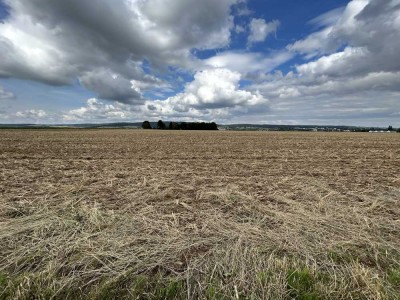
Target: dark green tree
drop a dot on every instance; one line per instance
(213, 126)
(146, 125)
(390, 128)
(173, 126)
(160, 124)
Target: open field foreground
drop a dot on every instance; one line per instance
(114, 214)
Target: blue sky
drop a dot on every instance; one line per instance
(229, 61)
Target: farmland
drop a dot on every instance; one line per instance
(106, 214)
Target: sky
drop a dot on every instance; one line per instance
(330, 62)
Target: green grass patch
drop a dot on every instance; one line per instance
(140, 287)
(301, 284)
(394, 277)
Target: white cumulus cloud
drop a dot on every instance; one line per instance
(31, 114)
(260, 29)
(56, 42)
(212, 88)
(352, 69)
(96, 111)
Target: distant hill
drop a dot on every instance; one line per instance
(242, 127)
(83, 125)
(274, 127)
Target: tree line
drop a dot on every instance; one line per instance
(181, 125)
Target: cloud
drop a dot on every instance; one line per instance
(350, 61)
(330, 37)
(328, 19)
(248, 62)
(111, 86)
(240, 29)
(96, 110)
(213, 88)
(364, 100)
(152, 83)
(31, 114)
(6, 95)
(354, 72)
(214, 94)
(315, 44)
(56, 42)
(370, 44)
(296, 86)
(260, 29)
(241, 9)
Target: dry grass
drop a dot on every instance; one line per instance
(111, 214)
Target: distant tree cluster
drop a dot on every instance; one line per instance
(182, 125)
(160, 125)
(146, 125)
